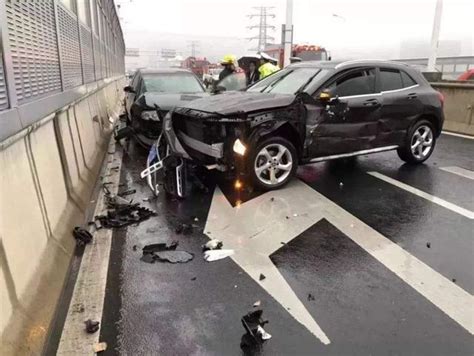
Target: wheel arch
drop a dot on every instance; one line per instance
(433, 120)
(282, 129)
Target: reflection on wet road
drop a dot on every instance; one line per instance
(388, 268)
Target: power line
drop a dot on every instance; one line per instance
(264, 13)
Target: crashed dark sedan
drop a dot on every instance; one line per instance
(309, 112)
(161, 88)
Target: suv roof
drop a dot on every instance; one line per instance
(164, 71)
(351, 64)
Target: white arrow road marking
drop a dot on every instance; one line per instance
(256, 229)
(466, 173)
(441, 202)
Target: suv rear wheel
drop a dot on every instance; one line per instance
(273, 163)
(419, 143)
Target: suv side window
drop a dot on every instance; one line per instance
(390, 79)
(357, 82)
(135, 81)
(407, 80)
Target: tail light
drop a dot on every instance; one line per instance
(441, 98)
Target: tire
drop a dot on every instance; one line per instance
(419, 143)
(266, 153)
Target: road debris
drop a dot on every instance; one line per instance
(454, 280)
(127, 192)
(162, 246)
(311, 297)
(341, 185)
(257, 304)
(91, 326)
(196, 219)
(194, 278)
(82, 236)
(185, 229)
(262, 277)
(134, 247)
(214, 255)
(213, 244)
(428, 244)
(100, 346)
(173, 256)
(253, 325)
(121, 212)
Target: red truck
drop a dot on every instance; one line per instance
(305, 52)
(198, 66)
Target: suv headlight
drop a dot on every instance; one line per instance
(150, 115)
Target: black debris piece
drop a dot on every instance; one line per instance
(173, 256)
(91, 326)
(82, 236)
(194, 278)
(287, 217)
(134, 247)
(283, 243)
(253, 324)
(262, 277)
(121, 212)
(428, 244)
(127, 192)
(454, 280)
(162, 246)
(272, 199)
(311, 297)
(213, 244)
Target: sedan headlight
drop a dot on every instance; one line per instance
(150, 115)
(239, 147)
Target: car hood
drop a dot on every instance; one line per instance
(167, 101)
(240, 102)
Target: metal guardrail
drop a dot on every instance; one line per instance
(51, 53)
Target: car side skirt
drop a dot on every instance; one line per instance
(351, 154)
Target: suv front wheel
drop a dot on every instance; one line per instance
(419, 143)
(273, 163)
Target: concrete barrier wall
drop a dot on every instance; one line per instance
(48, 172)
(458, 106)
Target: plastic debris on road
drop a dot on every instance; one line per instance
(213, 244)
(214, 255)
(82, 236)
(262, 277)
(263, 334)
(257, 304)
(100, 346)
(91, 326)
(173, 256)
(253, 324)
(165, 252)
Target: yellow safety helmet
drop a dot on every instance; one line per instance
(229, 59)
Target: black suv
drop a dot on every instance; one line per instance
(310, 112)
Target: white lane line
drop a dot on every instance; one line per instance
(441, 202)
(457, 135)
(466, 173)
(304, 207)
(89, 289)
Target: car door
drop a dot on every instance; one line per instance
(401, 105)
(349, 122)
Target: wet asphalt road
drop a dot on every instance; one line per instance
(360, 304)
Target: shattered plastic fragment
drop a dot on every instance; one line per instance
(91, 326)
(257, 303)
(162, 246)
(99, 347)
(173, 256)
(428, 244)
(263, 334)
(262, 277)
(82, 236)
(213, 244)
(311, 297)
(214, 255)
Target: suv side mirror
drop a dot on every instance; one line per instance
(325, 96)
(129, 89)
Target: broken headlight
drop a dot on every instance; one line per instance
(239, 147)
(150, 115)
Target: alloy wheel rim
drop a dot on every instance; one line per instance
(273, 164)
(422, 142)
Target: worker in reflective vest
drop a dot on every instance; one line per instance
(268, 66)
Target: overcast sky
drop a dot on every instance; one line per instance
(363, 25)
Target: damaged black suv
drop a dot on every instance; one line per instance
(309, 112)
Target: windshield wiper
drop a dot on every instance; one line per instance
(307, 82)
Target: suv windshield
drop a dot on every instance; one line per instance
(172, 83)
(288, 81)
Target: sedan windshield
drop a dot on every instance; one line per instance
(288, 81)
(172, 83)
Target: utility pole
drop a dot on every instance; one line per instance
(288, 35)
(435, 36)
(264, 12)
(194, 45)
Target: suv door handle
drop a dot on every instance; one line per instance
(371, 102)
(412, 96)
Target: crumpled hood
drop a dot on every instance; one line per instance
(168, 101)
(240, 102)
